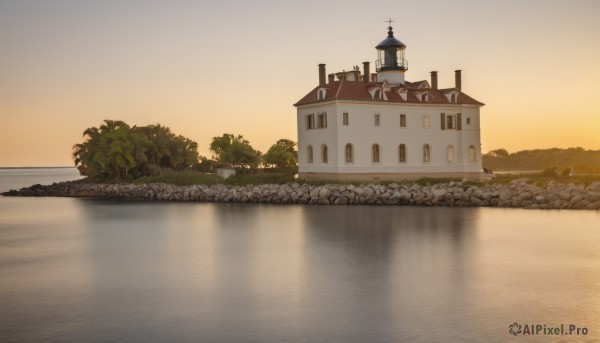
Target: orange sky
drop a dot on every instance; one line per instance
(205, 69)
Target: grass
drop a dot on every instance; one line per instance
(542, 180)
(182, 178)
(196, 178)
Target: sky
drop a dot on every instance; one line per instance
(204, 68)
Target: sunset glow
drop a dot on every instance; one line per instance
(208, 68)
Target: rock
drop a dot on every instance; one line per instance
(323, 192)
(593, 196)
(449, 199)
(505, 195)
(392, 201)
(439, 192)
(475, 201)
(525, 196)
(594, 206)
(581, 204)
(575, 199)
(404, 195)
(564, 195)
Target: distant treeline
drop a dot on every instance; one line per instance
(579, 160)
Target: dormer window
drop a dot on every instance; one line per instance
(321, 94)
(452, 97)
(403, 94)
(424, 97)
(377, 95)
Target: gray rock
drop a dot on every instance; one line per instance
(323, 192)
(575, 199)
(594, 206)
(439, 192)
(564, 195)
(525, 196)
(476, 201)
(505, 195)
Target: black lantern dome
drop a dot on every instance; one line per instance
(391, 53)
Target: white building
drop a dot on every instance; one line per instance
(366, 126)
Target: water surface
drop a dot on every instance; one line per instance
(115, 271)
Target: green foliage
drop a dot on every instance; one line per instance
(204, 165)
(580, 160)
(235, 151)
(283, 156)
(116, 151)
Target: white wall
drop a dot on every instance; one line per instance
(316, 138)
(362, 134)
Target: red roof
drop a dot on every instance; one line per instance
(359, 91)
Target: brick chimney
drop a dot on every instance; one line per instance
(322, 74)
(331, 78)
(366, 72)
(434, 83)
(457, 79)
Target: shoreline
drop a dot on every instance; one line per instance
(516, 194)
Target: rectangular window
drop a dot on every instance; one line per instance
(322, 121)
(377, 121)
(449, 122)
(310, 121)
(468, 121)
(403, 120)
(426, 121)
(345, 120)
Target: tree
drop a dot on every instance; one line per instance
(234, 151)
(283, 155)
(117, 151)
(498, 153)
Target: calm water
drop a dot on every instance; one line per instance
(78, 270)
(18, 178)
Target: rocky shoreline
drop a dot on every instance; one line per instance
(517, 194)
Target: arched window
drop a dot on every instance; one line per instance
(472, 154)
(377, 95)
(402, 153)
(309, 154)
(321, 94)
(450, 153)
(349, 153)
(426, 153)
(375, 153)
(453, 98)
(324, 153)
